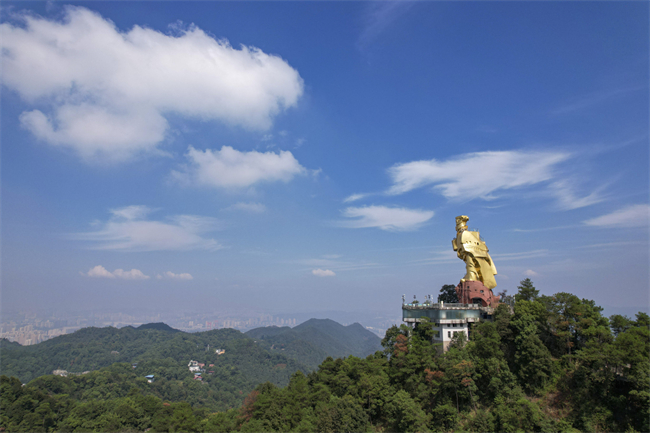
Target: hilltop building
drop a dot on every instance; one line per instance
(447, 319)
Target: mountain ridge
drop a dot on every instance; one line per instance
(315, 339)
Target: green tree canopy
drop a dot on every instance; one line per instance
(448, 294)
(526, 291)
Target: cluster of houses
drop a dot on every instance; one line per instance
(198, 368)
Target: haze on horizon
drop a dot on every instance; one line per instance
(312, 156)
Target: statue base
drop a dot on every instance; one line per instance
(474, 292)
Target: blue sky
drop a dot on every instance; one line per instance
(313, 155)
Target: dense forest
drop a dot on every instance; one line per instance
(553, 363)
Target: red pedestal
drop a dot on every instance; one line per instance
(474, 292)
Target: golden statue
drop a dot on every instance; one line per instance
(473, 251)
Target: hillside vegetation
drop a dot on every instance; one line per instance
(314, 340)
(165, 352)
(556, 364)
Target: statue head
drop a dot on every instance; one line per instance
(461, 222)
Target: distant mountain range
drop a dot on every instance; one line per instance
(255, 354)
(314, 340)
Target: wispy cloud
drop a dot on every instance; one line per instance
(134, 212)
(530, 273)
(385, 218)
(567, 198)
(485, 175)
(378, 17)
(440, 257)
(323, 273)
(593, 99)
(172, 276)
(355, 197)
(476, 175)
(128, 230)
(519, 255)
(101, 272)
(334, 263)
(637, 215)
(612, 244)
(543, 229)
(247, 207)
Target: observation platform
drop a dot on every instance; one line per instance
(447, 319)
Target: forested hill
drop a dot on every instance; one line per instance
(93, 348)
(165, 352)
(303, 347)
(158, 326)
(550, 364)
(314, 340)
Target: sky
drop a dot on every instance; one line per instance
(312, 156)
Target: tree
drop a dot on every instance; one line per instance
(505, 298)
(464, 371)
(392, 338)
(532, 360)
(620, 323)
(448, 294)
(341, 415)
(527, 292)
(404, 414)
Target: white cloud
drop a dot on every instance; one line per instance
(567, 198)
(354, 197)
(180, 232)
(133, 274)
(588, 101)
(173, 276)
(440, 257)
(386, 218)
(107, 91)
(476, 175)
(530, 273)
(323, 273)
(330, 262)
(247, 207)
(231, 169)
(101, 272)
(520, 255)
(637, 215)
(132, 212)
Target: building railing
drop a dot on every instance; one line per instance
(440, 305)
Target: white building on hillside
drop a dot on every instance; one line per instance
(194, 366)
